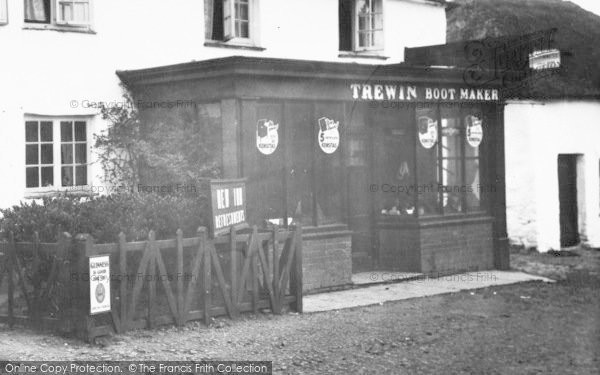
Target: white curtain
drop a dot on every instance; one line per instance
(35, 10)
(209, 11)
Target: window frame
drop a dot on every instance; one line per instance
(356, 32)
(230, 20)
(54, 23)
(3, 12)
(56, 187)
(441, 209)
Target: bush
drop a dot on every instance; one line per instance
(105, 217)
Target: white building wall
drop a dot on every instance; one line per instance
(55, 73)
(536, 133)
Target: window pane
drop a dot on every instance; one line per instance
(47, 154)
(81, 175)
(80, 13)
(328, 129)
(47, 176)
(451, 138)
(242, 11)
(32, 154)
(473, 134)
(427, 161)
(80, 131)
(244, 30)
(66, 131)
(32, 177)
(31, 131)
(67, 176)
(37, 10)
(474, 187)
(453, 189)
(46, 131)
(66, 154)
(80, 153)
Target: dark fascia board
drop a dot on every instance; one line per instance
(286, 68)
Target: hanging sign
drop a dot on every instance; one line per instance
(228, 205)
(428, 133)
(329, 135)
(474, 130)
(99, 285)
(267, 136)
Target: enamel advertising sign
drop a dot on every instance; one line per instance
(99, 285)
(474, 131)
(267, 136)
(329, 135)
(428, 133)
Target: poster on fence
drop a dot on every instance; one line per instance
(99, 285)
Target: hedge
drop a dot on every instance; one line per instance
(104, 217)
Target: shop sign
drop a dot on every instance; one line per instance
(474, 130)
(99, 284)
(329, 135)
(428, 133)
(267, 136)
(546, 59)
(401, 93)
(228, 205)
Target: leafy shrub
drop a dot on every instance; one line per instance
(105, 217)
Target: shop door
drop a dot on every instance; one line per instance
(567, 186)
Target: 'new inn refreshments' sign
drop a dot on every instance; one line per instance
(393, 92)
(228, 205)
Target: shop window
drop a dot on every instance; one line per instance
(360, 25)
(230, 20)
(3, 12)
(43, 149)
(448, 159)
(71, 13)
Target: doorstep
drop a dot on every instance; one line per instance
(415, 288)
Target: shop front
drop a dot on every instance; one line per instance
(390, 167)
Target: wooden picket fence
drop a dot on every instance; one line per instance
(153, 283)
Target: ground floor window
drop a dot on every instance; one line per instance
(56, 153)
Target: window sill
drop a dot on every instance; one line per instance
(362, 55)
(81, 191)
(64, 29)
(218, 44)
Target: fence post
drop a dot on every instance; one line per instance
(296, 271)
(234, 270)
(276, 275)
(10, 274)
(80, 295)
(180, 277)
(207, 279)
(124, 282)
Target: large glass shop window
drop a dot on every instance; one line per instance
(449, 159)
(428, 163)
(328, 166)
(293, 162)
(264, 162)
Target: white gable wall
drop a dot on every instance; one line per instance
(536, 133)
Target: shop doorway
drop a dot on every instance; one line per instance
(567, 192)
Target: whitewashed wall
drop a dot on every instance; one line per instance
(52, 73)
(536, 133)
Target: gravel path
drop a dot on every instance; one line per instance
(531, 328)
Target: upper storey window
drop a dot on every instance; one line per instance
(231, 20)
(361, 25)
(3, 12)
(69, 13)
